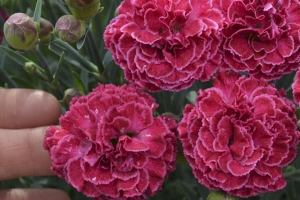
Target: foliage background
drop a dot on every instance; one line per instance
(181, 185)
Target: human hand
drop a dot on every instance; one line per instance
(24, 116)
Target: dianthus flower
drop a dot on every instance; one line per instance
(239, 135)
(261, 36)
(166, 44)
(110, 146)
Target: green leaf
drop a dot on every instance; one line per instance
(62, 7)
(177, 101)
(21, 60)
(81, 41)
(60, 62)
(58, 50)
(298, 113)
(107, 58)
(38, 11)
(78, 83)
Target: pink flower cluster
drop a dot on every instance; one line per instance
(110, 146)
(261, 36)
(239, 135)
(166, 44)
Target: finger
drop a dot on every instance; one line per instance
(22, 153)
(25, 108)
(33, 194)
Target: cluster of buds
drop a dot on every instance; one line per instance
(71, 28)
(22, 32)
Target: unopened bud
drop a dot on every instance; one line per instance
(84, 9)
(69, 94)
(220, 195)
(46, 29)
(30, 67)
(20, 31)
(69, 28)
(298, 125)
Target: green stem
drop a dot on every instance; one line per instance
(290, 174)
(86, 63)
(288, 89)
(94, 50)
(50, 11)
(43, 62)
(41, 76)
(167, 100)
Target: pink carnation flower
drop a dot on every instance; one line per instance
(239, 135)
(110, 146)
(166, 44)
(261, 36)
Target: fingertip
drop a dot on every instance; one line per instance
(48, 105)
(28, 194)
(22, 153)
(27, 108)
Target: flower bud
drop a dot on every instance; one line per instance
(69, 28)
(298, 125)
(84, 9)
(30, 67)
(46, 29)
(20, 31)
(220, 195)
(69, 94)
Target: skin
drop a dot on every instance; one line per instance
(24, 116)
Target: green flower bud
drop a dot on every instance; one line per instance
(30, 67)
(69, 28)
(84, 9)
(20, 31)
(69, 94)
(219, 195)
(298, 125)
(46, 29)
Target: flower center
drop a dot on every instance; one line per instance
(176, 28)
(114, 141)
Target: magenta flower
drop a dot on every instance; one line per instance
(261, 36)
(110, 146)
(166, 44)
(239, 135)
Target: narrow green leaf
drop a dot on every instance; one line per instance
(14, 55)
(178, 101)
(107, 58)
(58, 50)
(78, 83)
(62, 7)
(81, 41)
(298, 113)
(38, 11)
(60, 62)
